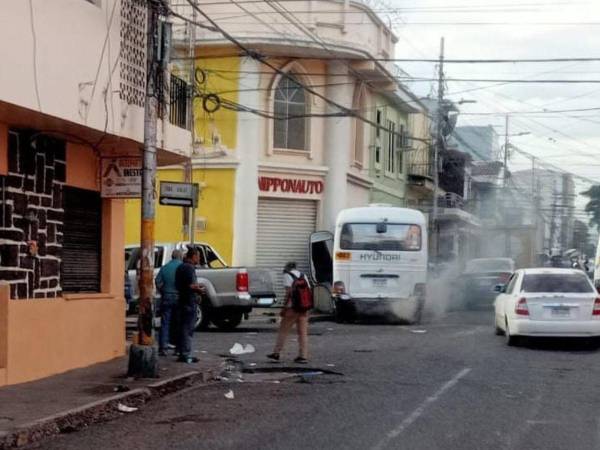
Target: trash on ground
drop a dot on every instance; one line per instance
(307, 377)
(231, 370)
(239, 349)
(203, 351)
(252, 333)
(418, 331)
(121, 388)
(229, 395)
(126, 409)
(330, 365)
(252, 364)
(329, 329)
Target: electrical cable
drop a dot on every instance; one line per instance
(35, 67)
(258, 57)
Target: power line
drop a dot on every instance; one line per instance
(260, 58)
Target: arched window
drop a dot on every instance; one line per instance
(291, 106)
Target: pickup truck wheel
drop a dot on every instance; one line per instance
(202, 318)
(227, 321)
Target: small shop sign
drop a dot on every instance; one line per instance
(121, 177)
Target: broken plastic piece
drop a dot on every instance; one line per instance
(229, 395)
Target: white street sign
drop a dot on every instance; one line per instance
(121, 177)
(178, 194)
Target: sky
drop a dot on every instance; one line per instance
(509, 29)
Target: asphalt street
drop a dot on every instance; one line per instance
(449, 383)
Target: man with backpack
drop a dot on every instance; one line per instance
(298, 302)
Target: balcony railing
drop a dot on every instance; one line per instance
(179, 108)
(451, 200)
(421, 170)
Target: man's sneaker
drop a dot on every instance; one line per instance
(171, 346)
(188, 359)
(273, 356)
(301, 360)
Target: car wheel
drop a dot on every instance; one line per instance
(418, 315)
(227, 322)
(499, 331)
(202, 318)
(510, 339)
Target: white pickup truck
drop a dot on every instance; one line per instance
(229, 296)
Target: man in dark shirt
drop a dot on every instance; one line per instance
(189, 291)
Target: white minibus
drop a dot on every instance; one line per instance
(375, 263)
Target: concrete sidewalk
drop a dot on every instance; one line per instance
(29, 412)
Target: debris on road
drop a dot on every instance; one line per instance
(239, 349)
(121, 388)
(330, 365)
(418, 331)
(229, 395)
(126, 409)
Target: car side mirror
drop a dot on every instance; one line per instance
(500, 288)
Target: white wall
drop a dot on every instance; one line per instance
(75, 51)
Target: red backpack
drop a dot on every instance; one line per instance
(301, 294)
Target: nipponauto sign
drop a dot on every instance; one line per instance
(290, 185)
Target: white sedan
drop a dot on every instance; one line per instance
(547, 302)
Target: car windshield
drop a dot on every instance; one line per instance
(556, 282)
(489, 265)
(380, 237)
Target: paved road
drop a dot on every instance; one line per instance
(456, 386)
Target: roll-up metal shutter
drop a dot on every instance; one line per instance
(82, 241)
(283, 230)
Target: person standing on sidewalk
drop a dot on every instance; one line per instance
(290, 316)
(165, 283)
(190, 293)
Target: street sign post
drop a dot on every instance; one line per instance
(179, 194)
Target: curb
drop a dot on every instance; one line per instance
(99, 411)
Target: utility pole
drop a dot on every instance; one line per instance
(189, 213)
(436, 150)
(507, 236)
(143, 356)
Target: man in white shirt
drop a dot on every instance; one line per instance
(289, 317)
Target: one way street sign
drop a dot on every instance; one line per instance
(178, 194)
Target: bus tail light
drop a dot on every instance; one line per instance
(343, 256)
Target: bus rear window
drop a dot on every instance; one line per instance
(365, 236)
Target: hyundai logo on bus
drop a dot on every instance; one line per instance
(273, 184)
(179, 194)
(379, 257)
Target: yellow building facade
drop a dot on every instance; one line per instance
(214, 166)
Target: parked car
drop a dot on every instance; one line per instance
(232, 292)
(475, 286)
(547, 302)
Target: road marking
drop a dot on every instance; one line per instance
(421, 409)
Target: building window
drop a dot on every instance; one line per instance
(401, 145)
(390, 163)
(378, 139)
(291, 107)
(80, 271)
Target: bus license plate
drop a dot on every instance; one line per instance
(379, 282)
